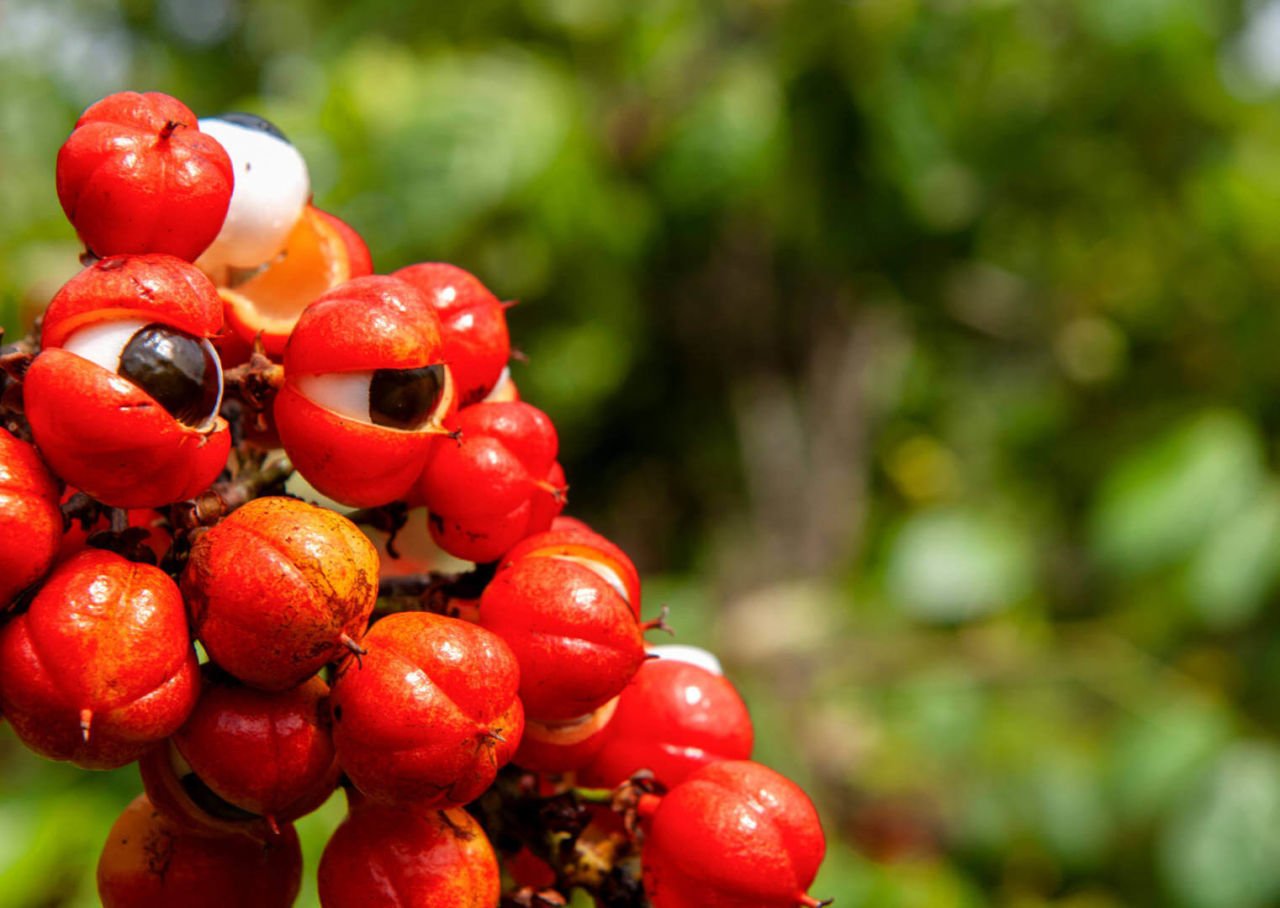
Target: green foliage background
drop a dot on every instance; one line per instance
(921, 353)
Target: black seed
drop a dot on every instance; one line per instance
(207, 800)
(404, 398)
(253, 121)
(176, 369)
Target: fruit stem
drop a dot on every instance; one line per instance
(86, 720)
(659, 623)
(809, 901)
(356, 649)
(167, 130)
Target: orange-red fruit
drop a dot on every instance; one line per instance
(573, 541)
(430, 714)
(137, 175)
(269, 753)
(576, 638)
(101, 666)
(734, 834)
(386, 856)
(150, 861)
(673, 718)
(566, 745)
(98, 430)
(347, 435)
(278, 589)
(474, 324)
(30, 520)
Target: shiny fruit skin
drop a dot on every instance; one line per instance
(150, 861)
(30, 518)
(672, 719)
(576, 638)
(572, 540)
(391, 856)
(106, 637)
(270, 753)
(275, 586)
(734, 834)
(137, 175)
(564, 746)
(439, 740)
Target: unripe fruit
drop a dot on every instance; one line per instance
(734, 834)
(137, 175)
(576, 638)
(385, 856)
(149, 861)
(279, 588)
(123, 398)
(430, 713)
(101, 666)
(30, 519)
(365, 391)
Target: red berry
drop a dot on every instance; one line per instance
(385, 856)
(150, 861)
(101, 666)
(430, 713)
(137, 175)
(474, 325)
(572, 540)
(734, 834)
(278, 589)
(30, 519)
(365, 391)
(565, 745)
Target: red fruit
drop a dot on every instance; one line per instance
(430, 714)
(564, 746)
(673, 718)
(359, 260)
(573, 541)
(474, 324)
(576, 638)
(496, 484)
(149, 861)
(123, 399)
(267, 753)
(385, 856)
(137, 175)
(185, 799)
(734, 834)
(365, 391)
(30, 519)
(278, 589)
(101, 666)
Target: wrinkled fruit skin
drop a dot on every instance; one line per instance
(107, 636)
(385, 856)
(576, 638)
(268, 753)
(371, 323)
(137, 175)
(30, 519)
(150, 861)
(473, 322)
(96, 429)
(734, 834)
(275, 586)
(440, 738)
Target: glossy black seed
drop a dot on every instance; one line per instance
(253, 121)
(208, 800)
(404, 398)
(176, 369)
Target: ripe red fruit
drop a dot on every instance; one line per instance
(123, 398)
(565, 745)
(734, 834)
(390, 856)
(101, 666)
(365, 391)
(137, 175)
(576, 638)
(673, 718)
(430, 713)
(473, 322)
(498, 483)
(573, 541)
(150, 861)
(269, 753)
(30, 520)
(279, 588)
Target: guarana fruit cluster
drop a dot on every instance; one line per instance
(503, 734)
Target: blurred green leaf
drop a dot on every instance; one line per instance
(1233, 571)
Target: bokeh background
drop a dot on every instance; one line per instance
(923, 353)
